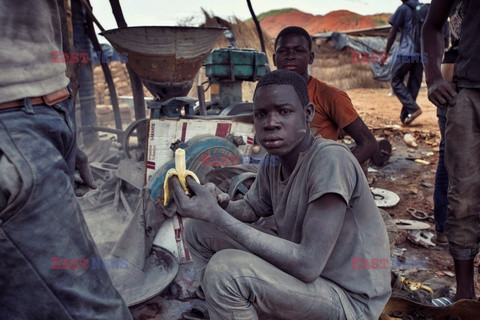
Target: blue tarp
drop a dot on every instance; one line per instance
(370, 47)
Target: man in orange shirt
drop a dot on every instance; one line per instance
(333, 107)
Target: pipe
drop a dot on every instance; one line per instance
(201, 100)
(136, 83)
(257, 25)
(88, 117)
(106, 70)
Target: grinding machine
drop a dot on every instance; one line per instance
(215, 133)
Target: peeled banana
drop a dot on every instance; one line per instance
(181, 172)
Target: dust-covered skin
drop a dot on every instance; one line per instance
(281, 124)
(463, 243)
(293, 53)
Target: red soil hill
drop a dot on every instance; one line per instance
(341, 20)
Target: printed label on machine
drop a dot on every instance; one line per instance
(161, 134)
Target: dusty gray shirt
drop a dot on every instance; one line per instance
(328, 167)
(29, 32)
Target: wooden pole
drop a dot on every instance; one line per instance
(136, 83)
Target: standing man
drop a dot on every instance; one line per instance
(45, 245)
(329, 257)
(462, 133)
(333, 107)
(407, 61)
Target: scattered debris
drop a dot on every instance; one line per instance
(383, 153)
(384, 198)
(422, 161)
(404, 224)
(410, 140)
(398, 252)
(420, 215)
(413, 191)
(421, 237)
(426, 185)
(415, 285)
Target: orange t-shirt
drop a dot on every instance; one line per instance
(333, 109)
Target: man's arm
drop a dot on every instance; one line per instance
(84, 181)
(391, 38)
(239, 209)
(440, 91)
(366, 142)
(242, 211)
(304, 260)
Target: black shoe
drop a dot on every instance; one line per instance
(411, 117)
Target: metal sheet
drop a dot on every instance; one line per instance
(384, 198)
(136, 286)
(165, 58)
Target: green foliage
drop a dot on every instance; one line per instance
(275, 12)
(380, 21)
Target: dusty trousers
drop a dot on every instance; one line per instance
(40, 219)
(462, 159)
(239, 285)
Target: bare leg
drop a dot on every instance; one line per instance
(464, 274)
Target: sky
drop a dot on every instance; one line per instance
(169, 12)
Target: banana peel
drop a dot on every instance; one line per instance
(415, 285)
(181, 172)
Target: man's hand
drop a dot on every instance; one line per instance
(383, 58)
(441, 93)
(223, 198)
(201, 205)
(85, 181)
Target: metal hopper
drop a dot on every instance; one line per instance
(165, 58)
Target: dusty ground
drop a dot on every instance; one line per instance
(413, 182)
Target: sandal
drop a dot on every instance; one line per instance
(440, 238)
(412, 116)
(442, 302)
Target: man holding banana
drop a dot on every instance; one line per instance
(324, 213)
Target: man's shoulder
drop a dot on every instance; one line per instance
(323, 87)
(401, 16)
(328, 148)
(407, 7)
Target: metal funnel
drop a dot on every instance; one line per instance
(165, 58)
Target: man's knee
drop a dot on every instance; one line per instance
(194, 231)
(397, 83)
(225, 268)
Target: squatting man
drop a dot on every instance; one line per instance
(324, 214)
